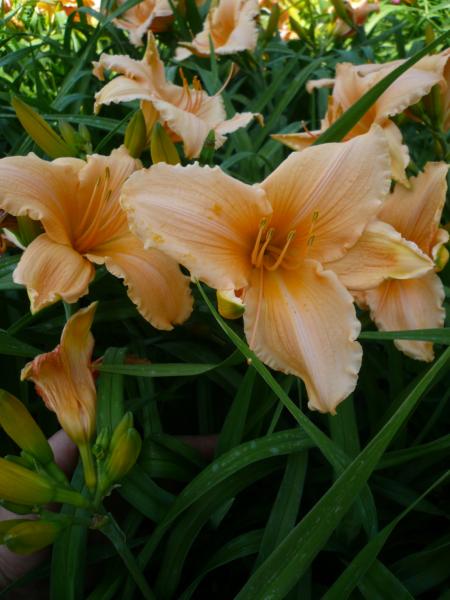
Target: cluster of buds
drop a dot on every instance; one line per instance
(32, 480)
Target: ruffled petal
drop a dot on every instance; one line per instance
(154, 280)
(327, 194)
(306, 326)
(40, 189)
(408, 305)
(297, 141)
(380, 253)
(203, 218)
(416, 212)
(235, 122)
(121, 89)
(244, 34)
(398, 152)
(52, 272)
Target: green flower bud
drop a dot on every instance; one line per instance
(30, 536)
(23, 429)
(162, 148)
(19, 509)
(229, 305)
(69, 134)
(441, 259)
(123, 456)
(124, 424)
(136, 135)
(5, 526)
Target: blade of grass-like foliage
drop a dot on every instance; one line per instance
(380, 583)
(333, 453)
(399, 457)
(339, 129)
(13, 347)
(284, 567)
(283, 515)
(110, 404)
(189, 526)
(239, 547)
(151, 370)
(439, 336)
(355, 571)
(145, 495)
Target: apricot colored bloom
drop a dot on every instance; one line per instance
(78, 204)
(407, 300)
(269, 241)
(231, 27)
(353, 81)
(358, 11)
(188, 113)
(155, 15)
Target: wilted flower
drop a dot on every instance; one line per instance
(412, 296)
(353, 81)
(154, 15)
(231, 27)
(78, 204)
(188, 113)
(269, 241)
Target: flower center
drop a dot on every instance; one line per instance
(191, 99)
(268, 255)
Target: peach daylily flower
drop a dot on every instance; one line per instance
(414, 300)
(64, 380)
(269, 241)
(154, 15)
(353, 81)
(78, 204)
(188, 113)
(358, 12)
(231, 27)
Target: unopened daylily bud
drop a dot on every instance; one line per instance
(229, 305)
(84, 133)
(123, 456)
(441, 259)
(19, 509)
(69, 133)
(28, 230)
(30, 536)
(136, 135)
(162, 149)
(22, 486)
(101, 444)
(23, 429)
(5, 526)
(124, 424)
(40, 131)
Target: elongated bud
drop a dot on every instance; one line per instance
(19, 509)
(101, 445)
(84, 133)
(40, 131)
(441, 258)
(28, 230)
(122, 427)
(136, 135)
(69, 134)
(272, 25)
(21, 486)
(23, 429)
(123, 456)
(229, 305)
(30, 536)
(5, 526)
(162, 149)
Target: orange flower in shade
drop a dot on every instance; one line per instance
(412, 297)
(189, 114)
(358, 13)
(231, 27)
(269, 241)
(64, 380)
(78, 204)
(155, 15)
(353, 81)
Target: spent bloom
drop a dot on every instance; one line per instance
(268, 243)
(231, 27)
(78, 204)
(412, 297)
(188, 113)
(353, 81)
(154, 15)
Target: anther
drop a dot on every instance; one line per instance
(263, 248)
(262, 226)
(277, 263)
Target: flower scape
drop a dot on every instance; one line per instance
(224, 299)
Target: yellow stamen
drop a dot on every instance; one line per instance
(262, 226)
(277, 263)
(263, 248)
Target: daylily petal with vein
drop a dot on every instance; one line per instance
(231, 27)
(155, 15)
(269, 241)
(409, 300)
(78, 205)
(188, 113)
(64, 379)
(353, 81)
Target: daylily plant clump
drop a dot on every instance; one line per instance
(210, 202)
